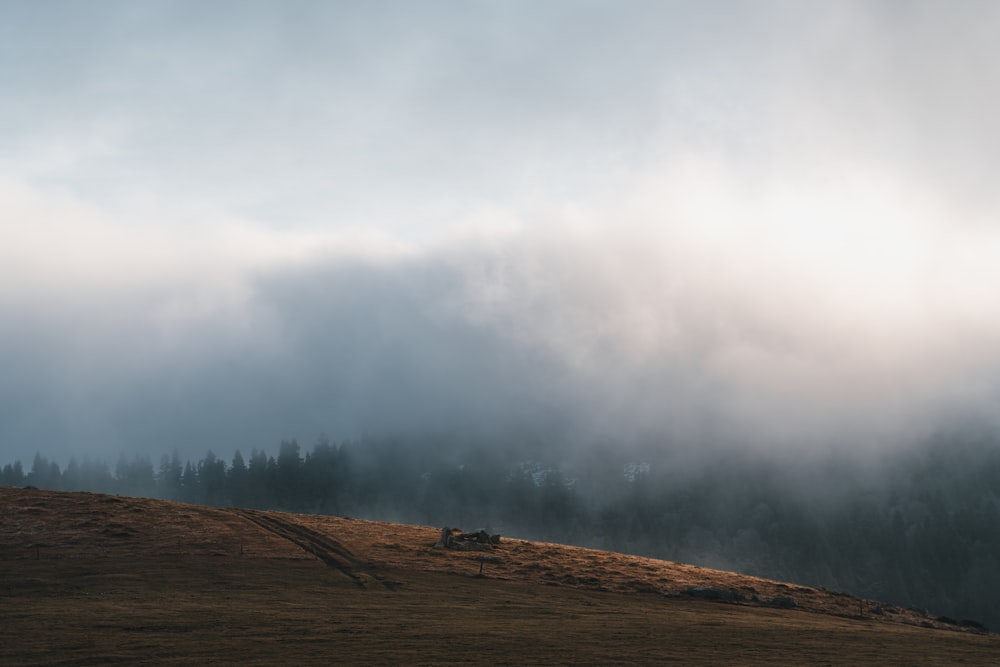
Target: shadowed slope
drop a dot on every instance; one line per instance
(120, 579)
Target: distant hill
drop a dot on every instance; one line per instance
(98, 578)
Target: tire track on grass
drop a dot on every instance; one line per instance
(324, 547)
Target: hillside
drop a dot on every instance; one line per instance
(90, 578)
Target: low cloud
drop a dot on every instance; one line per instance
(588, 333)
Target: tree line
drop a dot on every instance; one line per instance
(923, 531)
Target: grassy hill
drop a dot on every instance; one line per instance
(96, 579)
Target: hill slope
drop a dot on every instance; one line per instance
(90, 577)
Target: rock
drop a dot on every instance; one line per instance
(446, 540)
(478, 541)
(707, 593)
(975, 626)
(480, 536)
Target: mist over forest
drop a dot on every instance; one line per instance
(921, 529)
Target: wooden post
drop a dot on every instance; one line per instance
(483, 559)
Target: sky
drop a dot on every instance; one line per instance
(704, 224)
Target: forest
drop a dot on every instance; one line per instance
(920, 528)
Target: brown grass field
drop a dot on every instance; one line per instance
(89, 579)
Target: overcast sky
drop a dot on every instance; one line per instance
(223, 224)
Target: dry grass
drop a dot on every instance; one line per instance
(91, 579)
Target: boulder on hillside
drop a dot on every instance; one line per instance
(783, 602)
(453, 538)
(709, 593)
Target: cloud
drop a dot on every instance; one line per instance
(593, 334)
(618, 337)
(761, 223)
